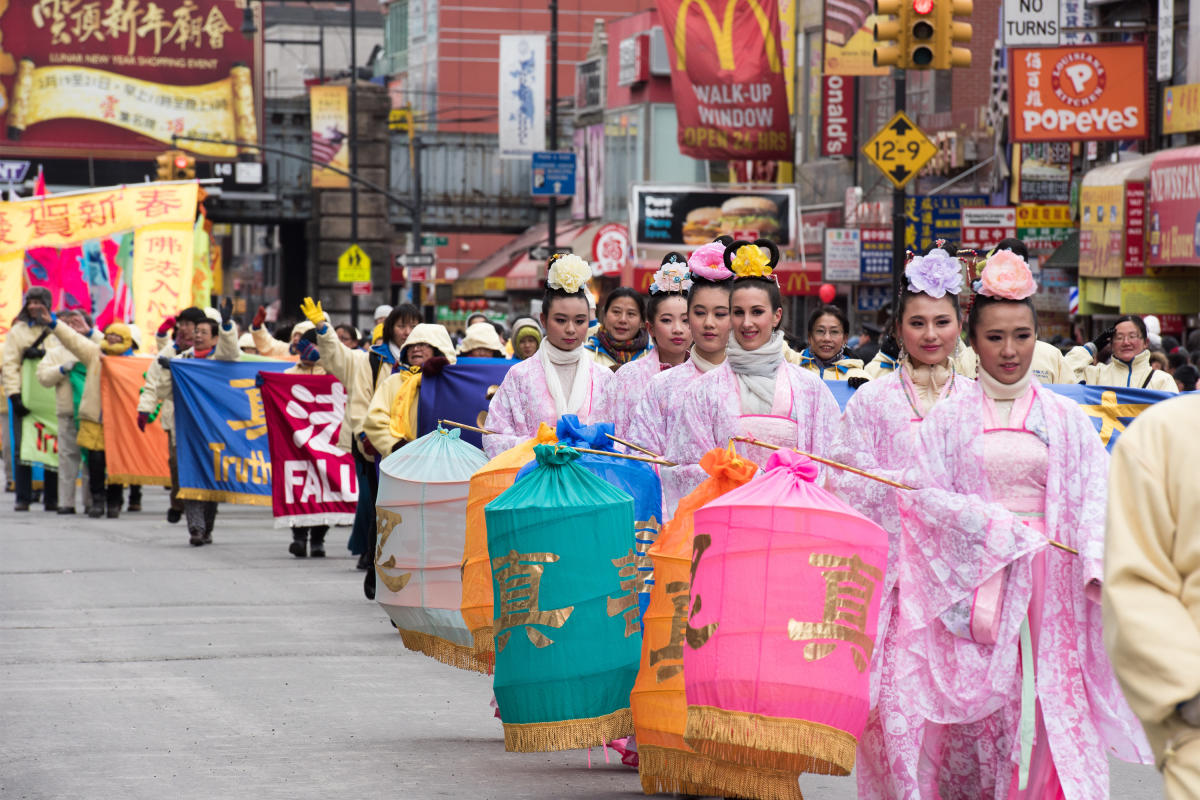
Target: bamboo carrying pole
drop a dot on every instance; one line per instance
(865, 474)
(486, 432)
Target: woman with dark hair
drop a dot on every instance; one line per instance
(878, 433)
(666, 323)
(27, 340)
(826, 353)
(621, 336)
(657, 422)
(755, 393)
(1000, 649)
(560, 378)
(1130, 362)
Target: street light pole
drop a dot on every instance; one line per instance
(353, 146)
(552, 209)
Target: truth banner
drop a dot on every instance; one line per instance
(131, 456)
(221, 430)
(314, 481)
(39, 428)
(730, 92)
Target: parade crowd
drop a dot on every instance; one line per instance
(1040, 607)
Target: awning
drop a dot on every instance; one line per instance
(519, 246)
(1066, 256)
(523, 275)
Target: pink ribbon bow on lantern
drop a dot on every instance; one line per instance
(801, 466)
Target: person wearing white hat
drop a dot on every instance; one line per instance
(381, 313)
(392, 416)
(481, 341)
(246, 344)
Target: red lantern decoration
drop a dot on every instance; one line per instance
(827, 292)
(456, 304)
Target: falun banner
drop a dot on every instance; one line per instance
(727, 76)
(131, 455)
(119, 78)
(330, 114)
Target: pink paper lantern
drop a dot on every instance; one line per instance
(782, 621)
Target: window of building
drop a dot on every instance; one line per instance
(395, 40)
(667, 164)
(624, 154)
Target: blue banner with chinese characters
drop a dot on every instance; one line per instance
(932, 217)
(221, 430)
(461, 394)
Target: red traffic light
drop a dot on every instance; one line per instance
(181, 161)
(923, 6)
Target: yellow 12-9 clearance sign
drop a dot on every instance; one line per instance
(900, 149)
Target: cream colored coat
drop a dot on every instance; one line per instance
(353, 369)
(1049, 364)
(52, 372)
(226, 350)
(268, 346)
(148, 399)
(1117, 373)
(1152, 580)
(21, 336)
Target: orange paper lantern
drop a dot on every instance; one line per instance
(486, 485)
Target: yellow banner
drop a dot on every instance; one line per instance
(220, 110)
(162, 272)
(329, 106)
(850, 55)
(1102, 231)
(54, 221)
(202, 277)
(11, 269)
(1181, 108)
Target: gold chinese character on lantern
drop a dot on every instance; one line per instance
(850, 584)
(519, 577)
(626, 603)
(669, 657)
(698, 637)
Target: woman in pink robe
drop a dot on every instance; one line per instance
(560, 378)
(666, 322)
(878, 433)
(659, 413)
(999, 646)
(754, 393)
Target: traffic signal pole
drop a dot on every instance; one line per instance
(353, 132)
(900, 85)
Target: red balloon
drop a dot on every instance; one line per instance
(827, 292)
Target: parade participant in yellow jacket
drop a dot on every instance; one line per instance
(61, 370)
(1130, 362)
(1152, 584)
(27, 340)
(392, 415)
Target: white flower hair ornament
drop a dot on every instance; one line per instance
(672, 276)
(567, 272)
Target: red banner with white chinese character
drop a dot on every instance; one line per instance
(312, 480)
(118, 78)
(730, 92)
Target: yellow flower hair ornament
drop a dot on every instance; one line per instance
(567, 272)
(756, 259)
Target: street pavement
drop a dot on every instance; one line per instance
(135, 666)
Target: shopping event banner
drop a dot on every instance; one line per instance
(120, 78)
(730, 90)
(122, 253)
(221, 430)
(314, 483)
(329, 108)
(131, 455)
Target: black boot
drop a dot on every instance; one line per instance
(135, 498)
(299, 545)
(316, 541)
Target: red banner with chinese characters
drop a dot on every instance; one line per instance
(1174, 209)
(118, 78)
(312, 480)
(730, 92)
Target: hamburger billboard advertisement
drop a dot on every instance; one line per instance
(676, 217)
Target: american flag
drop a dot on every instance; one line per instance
(325, 147)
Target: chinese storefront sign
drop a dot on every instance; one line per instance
(1174, 209)
(984, 228)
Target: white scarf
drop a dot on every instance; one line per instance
(395, 351)
(1004, 394)
(701, 363)
(553, 358)
(756, 370)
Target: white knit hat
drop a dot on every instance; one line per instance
(481, 334)
(436, 336)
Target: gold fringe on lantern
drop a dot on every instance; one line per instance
(794, 745)
(568, 734)
(664, 770)
(456, 655)
(485, 641)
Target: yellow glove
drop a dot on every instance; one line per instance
(314, 312)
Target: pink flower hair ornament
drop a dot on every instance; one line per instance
(1006, 275)
(708, 261)
(935, 274)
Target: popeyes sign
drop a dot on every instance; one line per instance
(1083, 93)
(730, 93)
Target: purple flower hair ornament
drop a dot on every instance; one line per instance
(935, 274)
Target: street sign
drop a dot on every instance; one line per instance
(417, 259)
(553, 173)
(354, 265)
(430, 240)
(360, 288)
(984, 228)
(539, 252)
(1031, 23)
(13, 171)
(900, 149)
(418, 274)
